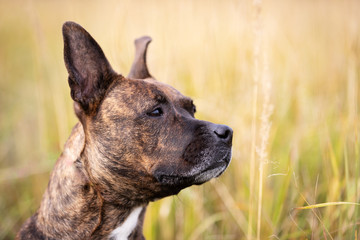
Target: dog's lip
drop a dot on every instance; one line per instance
(199, 177)
(220, 166)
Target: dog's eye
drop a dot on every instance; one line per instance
(156, 112)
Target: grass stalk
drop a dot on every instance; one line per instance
(261, 75)
(265, 126)
(327, 204)
(260, 193)
(253, 155)
(352, 88)
(256, 79)
(357, 159)
(313, 207)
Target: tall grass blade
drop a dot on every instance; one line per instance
(321, 205)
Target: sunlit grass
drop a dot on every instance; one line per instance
(206, 50)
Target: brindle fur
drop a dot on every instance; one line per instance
(122, 155)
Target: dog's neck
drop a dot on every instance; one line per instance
(73, 209)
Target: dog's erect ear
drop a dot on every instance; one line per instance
(90, 73)
(139, 68)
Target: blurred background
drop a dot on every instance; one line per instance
(283, 74)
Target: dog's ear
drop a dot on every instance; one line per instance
(139, 68)
(90, 73)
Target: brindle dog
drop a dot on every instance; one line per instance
(137, 141)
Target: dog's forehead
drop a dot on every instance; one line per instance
(131, 96)
(171, 93)
(150, 88)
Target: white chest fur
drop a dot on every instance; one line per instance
(127, 227)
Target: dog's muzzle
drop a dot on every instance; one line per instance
(208, 155)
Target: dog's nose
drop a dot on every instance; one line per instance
(224, 133)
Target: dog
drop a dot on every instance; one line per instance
(136, 141)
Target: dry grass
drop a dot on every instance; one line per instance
(206, 50)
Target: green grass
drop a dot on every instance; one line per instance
(206, 50)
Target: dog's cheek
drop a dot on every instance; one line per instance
(171, 144)
(147, 133)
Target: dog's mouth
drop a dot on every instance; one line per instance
(210, 173)
(197, 175)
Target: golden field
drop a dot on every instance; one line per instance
(285, 75)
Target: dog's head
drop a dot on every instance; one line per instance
(142, 141)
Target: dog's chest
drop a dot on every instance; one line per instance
(127, 227)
